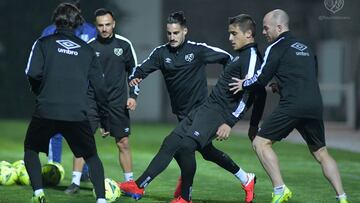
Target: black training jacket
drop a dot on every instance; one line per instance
(294, 65)
(117, 58)
(233, 106)
(184, 72)
(60, 69)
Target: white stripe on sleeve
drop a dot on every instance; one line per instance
(30, 57)
(252, 80)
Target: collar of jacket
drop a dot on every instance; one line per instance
(178, 48)
(106, 40)
(66, 31)
(253, 44)
(286, 34)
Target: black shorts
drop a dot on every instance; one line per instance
(119, 121)
(279, 125)
(201, 124)
(78, 135)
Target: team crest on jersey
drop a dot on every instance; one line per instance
(118, 51)
(168, 60)
(97, 53)
(189, 57)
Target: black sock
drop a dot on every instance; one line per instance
(210, 153)
(187, 161)
(96, 171)
(33, 167)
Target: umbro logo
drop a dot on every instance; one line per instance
(168, 60)
(68, 45)
(299, 46)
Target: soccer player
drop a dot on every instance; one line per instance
(60, 69)
(294, 65)
(182, 63)
(85, 31)
(215, 117)
(117, 57)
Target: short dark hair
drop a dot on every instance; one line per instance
(177, 18)
(103, 11)
(67, 15)
(245, 23)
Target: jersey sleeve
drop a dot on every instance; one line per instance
(212, 54)
(266, 72)
(149, 65)
(131, 63)
(35, 67)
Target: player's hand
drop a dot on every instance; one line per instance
(134, 82)
(223, 132)
(131, 104)
(274, 87)
(104, 133)
(253, 130)
(237, 85)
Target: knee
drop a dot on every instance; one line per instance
(123, 144)
(260, 143)
(206, 156)
(186, 149)
(321, 154)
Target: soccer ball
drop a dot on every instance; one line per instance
(112, 190)
(8, 175)
(18, 163)
(5, 163)
(52, 173)
(23, 176)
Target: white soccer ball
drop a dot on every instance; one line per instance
(112, 190)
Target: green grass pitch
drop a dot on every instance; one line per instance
(211, 185)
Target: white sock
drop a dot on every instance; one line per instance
(76, 175)
(242, 176)
(101, 200)
(38, 192)
(279, 189)
(129, 176)
(343, 196)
